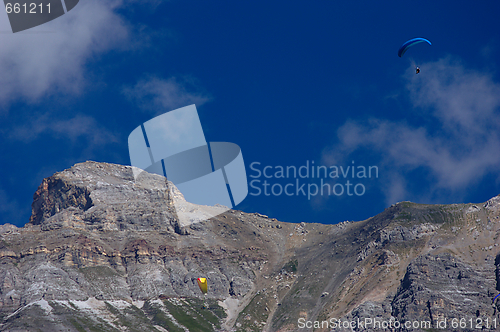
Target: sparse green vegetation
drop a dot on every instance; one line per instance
(131, 317)
(291, 266)
(255, 311)
(78, 319)
(160, 318)
(76, 325)
(193, 317)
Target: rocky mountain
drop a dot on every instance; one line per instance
(105, 252)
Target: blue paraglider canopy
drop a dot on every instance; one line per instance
(410, 43)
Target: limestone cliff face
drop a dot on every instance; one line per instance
(105, 252)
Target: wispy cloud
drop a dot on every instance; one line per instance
(75, 128)
(34, 65)
(158, 95)
(458, 146)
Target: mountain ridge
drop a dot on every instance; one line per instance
(104, 252)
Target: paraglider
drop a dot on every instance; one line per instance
(410, 43)
(402, 50)
(202, 283)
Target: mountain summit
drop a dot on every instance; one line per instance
(105, 252)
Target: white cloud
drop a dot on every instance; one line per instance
(461, 99)
(35, 64)
(160, 95)
(458, 147)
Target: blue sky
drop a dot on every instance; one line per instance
(289, 82)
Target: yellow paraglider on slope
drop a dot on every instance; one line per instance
(202, 283)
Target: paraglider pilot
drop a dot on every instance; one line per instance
(402, 50)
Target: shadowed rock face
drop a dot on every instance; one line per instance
(54, 195)
(103, 252)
